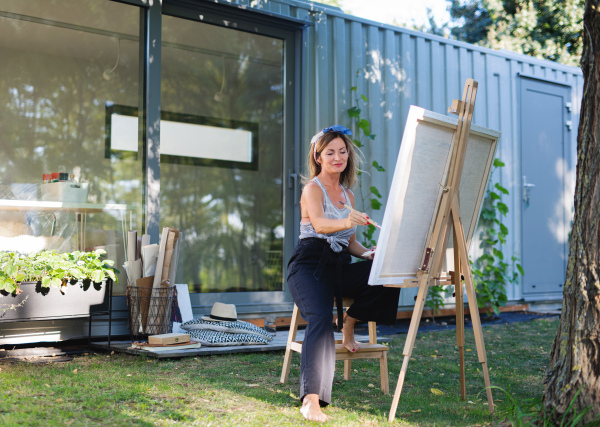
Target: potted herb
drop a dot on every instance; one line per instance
(26, 280)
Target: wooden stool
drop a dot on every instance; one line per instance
(370, 350)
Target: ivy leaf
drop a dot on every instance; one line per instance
(501, 188)
(502, 208)
(375, 205)
(378, 166)
(353, 88)
(357, 143)
(520, 269)
(354, 112)
(365, 126)
(364, 98)
(488, 214)
(375, 192)
(372, 137)
(498, 163)
(498, 254)
(503, 229)
(495, 196)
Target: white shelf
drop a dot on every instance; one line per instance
(48, 206)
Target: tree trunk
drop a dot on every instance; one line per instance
(574, 371)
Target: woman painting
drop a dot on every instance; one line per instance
(320, 267)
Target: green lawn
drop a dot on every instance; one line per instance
(244, 389)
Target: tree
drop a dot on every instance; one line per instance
(574, 371)
(547, 29)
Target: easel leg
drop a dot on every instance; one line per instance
(478, 332)
(398, 391)
(410, 342)
(460, 315)
(473, 308)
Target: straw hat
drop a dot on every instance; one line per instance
(222, 313)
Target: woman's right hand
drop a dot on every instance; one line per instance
(356, 218)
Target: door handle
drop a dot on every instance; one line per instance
(293, 184)
(526, 187)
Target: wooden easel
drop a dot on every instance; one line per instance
(448, 214)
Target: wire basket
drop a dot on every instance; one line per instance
(151, 311)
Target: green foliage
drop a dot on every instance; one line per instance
(532, 412)
(362, 135)
(544, 29)
(435, 299)
(491, 271)
(53, 269)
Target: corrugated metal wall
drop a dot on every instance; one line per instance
(399, 68)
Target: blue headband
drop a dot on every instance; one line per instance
(335, 128)
(339, 129)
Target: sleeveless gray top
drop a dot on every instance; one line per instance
(339, 239)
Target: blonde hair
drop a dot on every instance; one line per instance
(348, 178)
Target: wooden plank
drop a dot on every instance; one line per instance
(364, 348)
(284, 322)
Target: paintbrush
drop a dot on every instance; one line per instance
(369, 220)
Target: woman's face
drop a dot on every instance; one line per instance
(334, 157)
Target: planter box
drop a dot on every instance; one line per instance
(80, 300)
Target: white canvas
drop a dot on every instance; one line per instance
(416, 191)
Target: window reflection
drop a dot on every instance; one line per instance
(231, 218)
(61, 62)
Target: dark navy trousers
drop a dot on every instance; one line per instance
(315, 275)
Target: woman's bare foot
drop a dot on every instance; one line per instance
(311, 410)
(348, 334)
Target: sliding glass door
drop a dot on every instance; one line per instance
(223, 157)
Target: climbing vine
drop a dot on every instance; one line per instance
(363, 136)
(492, 273)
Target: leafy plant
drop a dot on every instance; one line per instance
(361, 136)
(435, 299)
(491, 272)
(532, 412)
(53, 269)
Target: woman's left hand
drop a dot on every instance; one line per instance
(371, 255)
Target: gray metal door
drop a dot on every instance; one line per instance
(545, 126)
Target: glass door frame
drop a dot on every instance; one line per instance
(291, 32)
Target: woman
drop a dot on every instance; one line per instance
(320, 267)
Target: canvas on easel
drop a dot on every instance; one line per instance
(416, 191)
(438, 186)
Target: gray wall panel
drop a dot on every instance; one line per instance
(405, 67)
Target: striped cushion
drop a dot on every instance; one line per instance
(237, 327)
(221, 339)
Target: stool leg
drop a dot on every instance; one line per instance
(287, 360)
(347, 369)
(383, 368)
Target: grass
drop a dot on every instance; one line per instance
(244, 389)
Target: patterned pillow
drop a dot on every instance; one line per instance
(236, 327)
(221, 339)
